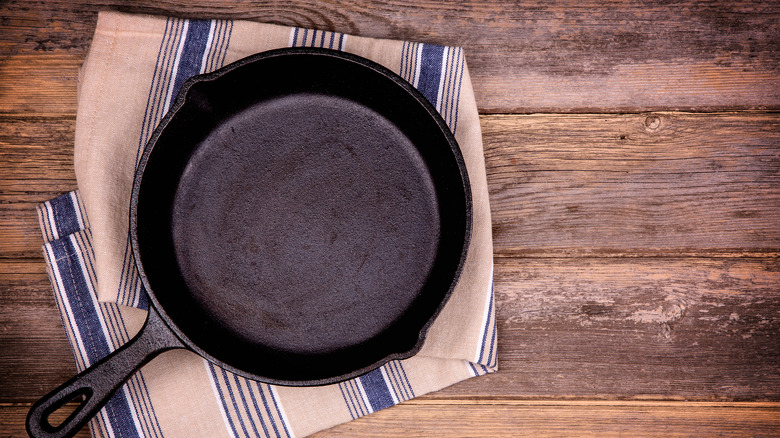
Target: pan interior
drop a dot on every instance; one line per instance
(300, 217)
(307, 224)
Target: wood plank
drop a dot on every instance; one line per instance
(560, 185)
(512, 418)
(425, 417)
(39, 84)
(13, 416)
(35, 148)
(585, 56)
(637, 184)
(37, 157)
(35, 351)
(688, 328)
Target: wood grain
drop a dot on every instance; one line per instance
(13, 415)
(39, 84)
(688, 328)
(537, 56)
(560, 185)
(637, 255)
(425, 417)
(35, 351)
(513, 418)
(647, 184)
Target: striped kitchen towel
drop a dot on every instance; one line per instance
(132, 74)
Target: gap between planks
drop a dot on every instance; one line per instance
(432, 400)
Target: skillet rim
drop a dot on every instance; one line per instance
(283, 52)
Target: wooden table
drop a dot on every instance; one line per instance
(633, 160)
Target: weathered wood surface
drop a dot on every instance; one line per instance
(560, 185)
(688, 328)
(586, 56)
(637, 184)
(12, 416)
(425, 417)
(512, 418)
(637, 255)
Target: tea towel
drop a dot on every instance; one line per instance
(132, 73)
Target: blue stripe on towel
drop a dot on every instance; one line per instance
(194, 49)
(82, 308)
(65, 214)
(404, 391)
(232, 395)
(257, 408)
(222, 399)
(357, 399)
(278, 411)
(247, 408)
(118, 410)
(268, 411)
(376, 390)
(146, 124)
(406, 380)
(143, 301)
(347, 403)
(430, 71)
(486, 329)
(295, 37)
(457, 98)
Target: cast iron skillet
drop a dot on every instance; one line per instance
(299, 217)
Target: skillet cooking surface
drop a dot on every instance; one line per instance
(324, 210)
(301, 217)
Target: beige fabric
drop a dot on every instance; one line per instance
(113, 123)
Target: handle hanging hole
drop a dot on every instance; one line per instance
(64, 410)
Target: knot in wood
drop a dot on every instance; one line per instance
(652, 123)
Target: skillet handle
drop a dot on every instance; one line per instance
(94, 386)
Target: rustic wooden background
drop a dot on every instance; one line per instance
(633, 159)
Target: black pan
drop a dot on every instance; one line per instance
(299, 217)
